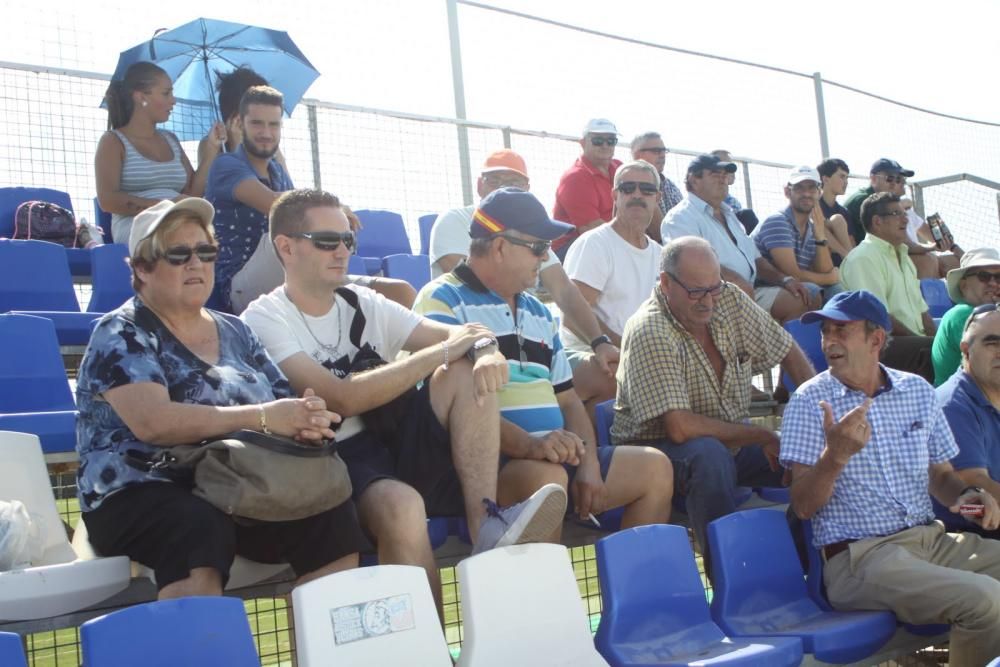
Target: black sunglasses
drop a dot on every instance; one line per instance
(698, 293)
(628, 187)
(658, 151)
(600, 141)
(327, 240)
(179, 255)
(984, 277)
(537, 248)
(889, 178)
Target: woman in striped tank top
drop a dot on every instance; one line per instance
(138, 165)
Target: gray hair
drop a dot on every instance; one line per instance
(640, 138)
(636, 165)
(670, 256)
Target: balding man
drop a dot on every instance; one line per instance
(688, 356)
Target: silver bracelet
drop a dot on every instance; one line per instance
(444, 344)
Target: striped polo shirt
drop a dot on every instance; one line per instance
(528, 337)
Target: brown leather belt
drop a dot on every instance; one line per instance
(831, 550)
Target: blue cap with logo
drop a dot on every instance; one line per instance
(712, 163)
(887, 166)
(514, 208)
(851, 306)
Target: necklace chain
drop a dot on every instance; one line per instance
(332, 350)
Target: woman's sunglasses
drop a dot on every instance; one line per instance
(179, 255)
(327, 240)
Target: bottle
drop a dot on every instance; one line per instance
(949, 238)
(934, 222)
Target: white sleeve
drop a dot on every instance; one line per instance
(274, 328)
(393, 323)
(679, 223)
(450, 235)
(589, 262)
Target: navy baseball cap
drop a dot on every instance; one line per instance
(711, 163)
(851, 306)
(514, 208)
(887, 166)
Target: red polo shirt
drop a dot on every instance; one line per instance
(583, 195)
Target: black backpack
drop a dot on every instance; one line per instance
(43, 221)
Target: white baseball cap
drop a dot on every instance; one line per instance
(803, 173)
(146, 222)
(599, 126)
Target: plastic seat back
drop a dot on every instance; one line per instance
(604, 415)
(380, 615)
(935, 293)
(32, 374)
(24, 477)
(414, 269)
(382, 234)
(810, 339)
(426, 223)
(501, 629)
(11, 650)
(11, 198)
(194, 632)
(112, 278)
(103, 220)
(34, 275)
(651, 589)
(757, 576)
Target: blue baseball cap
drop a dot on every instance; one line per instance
(712, 163)
(852, 306)
(514, 208)
(885, 165)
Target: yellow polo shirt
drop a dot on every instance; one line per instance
(888, 273)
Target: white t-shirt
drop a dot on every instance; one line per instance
(282, 329)
(623, 274)
(450, 236)
(913, 223)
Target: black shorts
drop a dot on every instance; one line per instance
(167, 528)
(420, 457)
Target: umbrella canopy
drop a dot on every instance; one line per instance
(192, 53)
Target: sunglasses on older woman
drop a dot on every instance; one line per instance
(179, 255)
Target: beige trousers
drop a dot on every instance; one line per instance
(926, 575)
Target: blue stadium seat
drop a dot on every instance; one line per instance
(34, 393)
(103, 220)
(34, 278)
(11, 651)
(935, 293)
(817, 591)
(809, 338)
(112, 280)
(195, 632)
(759, 590)
(655, 612)
(414, 269)
(78, 259)
(604, 416)
(426, 223)
(382, 234)
(356, 266)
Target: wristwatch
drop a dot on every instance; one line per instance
(822, 242)
(479, 346)
(600, 340)
(977, 489)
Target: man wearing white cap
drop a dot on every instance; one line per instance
(583, 196)
(795, 240)
(975, 282)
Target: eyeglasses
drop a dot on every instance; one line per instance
(658, 151)
(628, 187)
(600, 141)
(889, 178)
(537, 248)
(327, 240)
(179, 255)
(506, 182)
(977, 311)
(984, 277)
(698, 293)
(893, 214)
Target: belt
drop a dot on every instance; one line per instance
(831, 550)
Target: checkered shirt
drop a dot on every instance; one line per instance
(671, 194)
(664, 368)
(883, 489)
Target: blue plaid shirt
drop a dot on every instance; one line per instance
(883, 489)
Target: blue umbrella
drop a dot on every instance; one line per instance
(191, 54)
